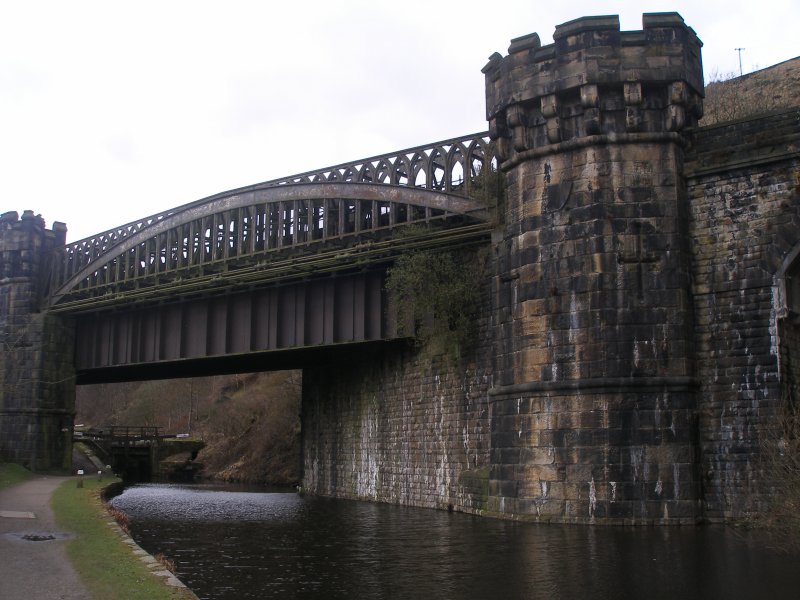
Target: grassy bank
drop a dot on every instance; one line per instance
(104, 562)
(11, 474)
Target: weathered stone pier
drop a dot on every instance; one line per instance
(594, 350)
(37, 375)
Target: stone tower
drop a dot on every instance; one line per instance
(37, 378)
(594, 407)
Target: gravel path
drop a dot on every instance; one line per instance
(33, 562)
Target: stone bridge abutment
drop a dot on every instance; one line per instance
(37, 375)
(595, 351)
(635, 357)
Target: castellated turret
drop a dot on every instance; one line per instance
(37, 390)
(594, 332)
(594, 80)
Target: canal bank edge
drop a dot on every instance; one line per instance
(155, 567)
(153, 564)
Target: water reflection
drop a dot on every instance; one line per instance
(211, 503)
(238, 544)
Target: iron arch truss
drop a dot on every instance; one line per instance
(314, 221)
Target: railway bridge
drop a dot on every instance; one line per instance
(293, 264)
(635, 307)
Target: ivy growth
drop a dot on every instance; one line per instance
(488, 186)
(438, 293)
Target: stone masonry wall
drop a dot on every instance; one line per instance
(37, 383)
(401, 426)
(598, 420)
(407, 425)
(744, 189)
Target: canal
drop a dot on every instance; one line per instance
(233, 542)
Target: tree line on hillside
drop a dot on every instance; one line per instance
(250, 423)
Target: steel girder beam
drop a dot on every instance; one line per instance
(329, 311)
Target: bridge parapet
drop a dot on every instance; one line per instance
(360, 200)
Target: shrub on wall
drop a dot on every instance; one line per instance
(439, 291)
(442, 291)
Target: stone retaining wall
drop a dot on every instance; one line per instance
(394, 429)
(745, 223)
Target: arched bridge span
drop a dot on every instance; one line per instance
(296, 264)
(319, 221)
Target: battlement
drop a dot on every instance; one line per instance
(26, 245)
(594, 80)
(11, 221)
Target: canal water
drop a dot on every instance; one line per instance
(232, 542)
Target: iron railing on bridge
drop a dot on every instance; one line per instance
(137, 433)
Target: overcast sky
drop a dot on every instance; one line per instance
(112, 111)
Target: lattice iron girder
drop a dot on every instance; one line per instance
(395, 168)
(251, 224)
(282, 269)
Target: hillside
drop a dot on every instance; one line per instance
(729, 98)
(250, 423)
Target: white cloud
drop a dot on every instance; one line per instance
(112, 111)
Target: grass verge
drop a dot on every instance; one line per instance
(104, 563)
(11, 474)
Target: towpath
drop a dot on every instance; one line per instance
(33, 560)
